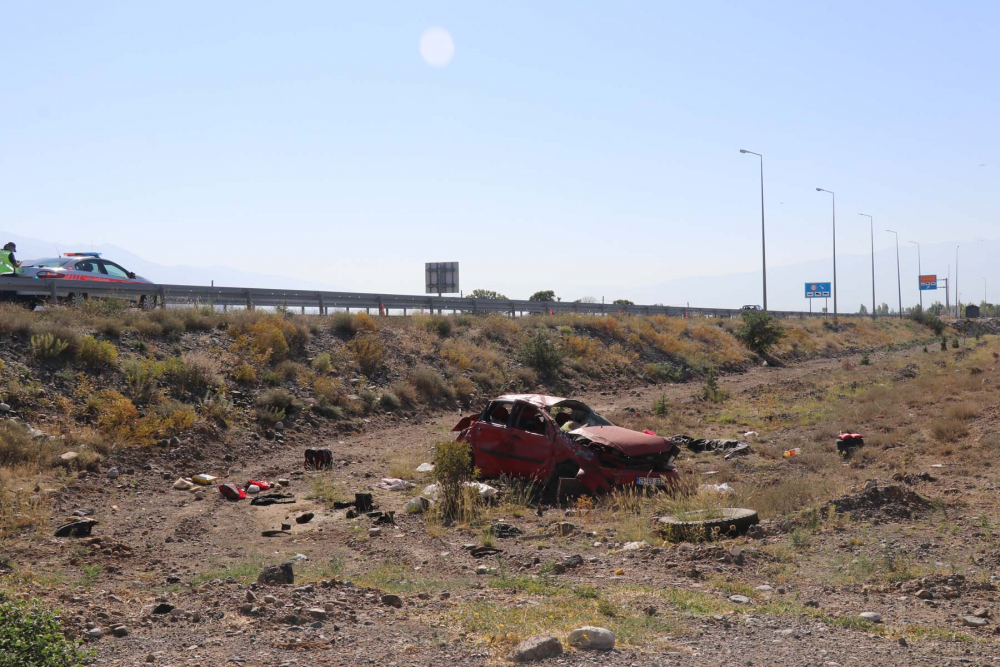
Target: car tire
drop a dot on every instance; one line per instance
(725, 521)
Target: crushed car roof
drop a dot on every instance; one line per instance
(535, 399)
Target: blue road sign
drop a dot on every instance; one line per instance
(817, 290)
(928, 282)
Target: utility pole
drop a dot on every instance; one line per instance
(958, 302)
(834, 201)
(763, 251)
(871, 223)
(899, 285)
(920, 272)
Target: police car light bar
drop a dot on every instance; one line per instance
(81, 254)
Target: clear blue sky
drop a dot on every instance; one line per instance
(566, 145)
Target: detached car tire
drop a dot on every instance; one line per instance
(724, 521)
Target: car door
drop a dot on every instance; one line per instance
(527, 445)
(88, 270)
(486, 436)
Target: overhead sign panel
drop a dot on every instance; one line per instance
(441, 277)
(818, 290)
(928, 282)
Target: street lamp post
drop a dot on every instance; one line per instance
(871, 225)
(834, 201)
(958, 305)
(920, 272)
(763, 251)
(899, 285)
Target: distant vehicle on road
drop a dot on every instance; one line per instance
(80, 267)
(751, 307)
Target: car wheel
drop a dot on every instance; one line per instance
(723, 521)
(147, 302)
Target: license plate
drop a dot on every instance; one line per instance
(650, 481)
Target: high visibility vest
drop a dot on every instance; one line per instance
(6, 266)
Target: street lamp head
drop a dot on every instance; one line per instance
(890, 231)
(742, 151)
(819, 189)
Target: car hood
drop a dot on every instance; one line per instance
(629, 442)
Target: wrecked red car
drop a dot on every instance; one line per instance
(549, 439)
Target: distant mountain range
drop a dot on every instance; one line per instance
(786, 289)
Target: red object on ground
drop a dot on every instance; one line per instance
(232, 492)
(516, 435)
(262, 484)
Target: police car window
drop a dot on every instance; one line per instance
(115, 270)
(89, 266)
(49, 263)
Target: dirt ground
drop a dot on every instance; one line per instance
(924, 556)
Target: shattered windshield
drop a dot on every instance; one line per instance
(570, 415)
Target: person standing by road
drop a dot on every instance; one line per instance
(8, 265)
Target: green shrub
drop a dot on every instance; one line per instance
(346, 324)
(452, 469)
(280, 399)
(46, 346)
(388, 401)
(192, 372)
(95, 353)
(429, 384)
(541, 353)
(866, 359)
(666, 372)
(759, 331)
(954, 342)
(289, 370)
(660, 409)
(31, 636)
(148, 329)
(141, 378)
(217, 408)
(109, 326)
(711, 391)
(369, 353)
(944, 344)
(928, 319)
(245, 374)
(405, 393)
(322, 363)
(269, 415)
(441, 326)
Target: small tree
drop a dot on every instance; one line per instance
(623, 302)
(487, 294)
(862, 310)
(759, 331)
(452, 470)
(543, 295)
(540, 353)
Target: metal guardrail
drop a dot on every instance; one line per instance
(250, 297)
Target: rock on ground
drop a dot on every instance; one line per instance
(599, 639)
(277, 574)
(538, 647)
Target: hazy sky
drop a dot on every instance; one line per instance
(562, 144)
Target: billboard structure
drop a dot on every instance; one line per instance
(928, 282)
(441, 278)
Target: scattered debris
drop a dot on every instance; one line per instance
(503, 530)
(723, 521)
(789, 453)
(273, 499)
(847, 443)
(305, 517)
(232, 492)
(425, 467)
(482, 552)
(394, 484)
(721, 489)
(204, 480)
(872, 616)
(77, 527)
(731, 448)
(319, 459)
